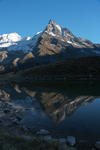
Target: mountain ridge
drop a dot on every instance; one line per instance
(53, 44)
(53, 29)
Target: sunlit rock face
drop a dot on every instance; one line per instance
(4, 95)
(3, 56)
(59, 106)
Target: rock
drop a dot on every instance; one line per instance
(97, 145)
(6, 111)
(62, 140)
(25, 128)
(83, 142)
(71, 140)
(48, 138)
(18, 118)
(63, 147)
(27, 137)
(15, 121)
(55, 140)
(73, 148)
(43, 132)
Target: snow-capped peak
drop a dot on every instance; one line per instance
(7, 40)
(14, 41)
(12, 37)
(65, 35)
(53, 29)
(53, 24)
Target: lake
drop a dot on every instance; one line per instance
(63, 109)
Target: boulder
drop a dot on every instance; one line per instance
(43, 132)
(48, 138)
(97, 145)
(71, 140)
(62, 140)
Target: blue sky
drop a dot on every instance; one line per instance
(27, 17)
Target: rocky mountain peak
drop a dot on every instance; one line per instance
(51, 21)
(56, 30)
(53, 29)
(53, 44)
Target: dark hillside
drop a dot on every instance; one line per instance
(86, 67)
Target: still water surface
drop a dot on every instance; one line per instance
(61, 111)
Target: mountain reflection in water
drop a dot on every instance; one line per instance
(43, 108)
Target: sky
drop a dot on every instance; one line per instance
(26, 17)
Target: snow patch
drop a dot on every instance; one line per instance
(12, 37)
(58, 27)
(15, 42)
(50, 33)
(69, 42)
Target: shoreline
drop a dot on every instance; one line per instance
(50, 137)
(45, 138)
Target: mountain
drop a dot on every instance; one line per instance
(13, 48)
(58, 40)
(56, 104)
(14, 42)
(53, 44)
